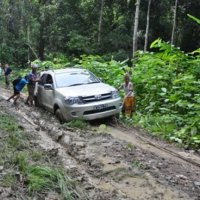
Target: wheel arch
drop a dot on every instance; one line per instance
(55, 107)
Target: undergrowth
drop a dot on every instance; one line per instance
(167, 89)
(30, 167)
(77, 123)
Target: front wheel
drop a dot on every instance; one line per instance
(36, 101)
(59, 116)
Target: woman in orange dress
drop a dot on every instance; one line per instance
(129, 99)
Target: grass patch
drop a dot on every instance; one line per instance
(38, 175)
(41, 178)
(136, 164)
(77, 123)
(37, 155)
(9, 179)
(8, 123)
(130, 146)
(102, 128)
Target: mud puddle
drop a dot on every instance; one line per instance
(134, 184)
(158, 147)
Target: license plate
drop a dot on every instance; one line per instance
(100, 107)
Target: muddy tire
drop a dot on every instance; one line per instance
(37, 104)
(59, 116)
(117, 116)
(113, 119)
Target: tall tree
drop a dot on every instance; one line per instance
(100, 22)
(174, 22)
(189, 31)
(147, 26)
(136, 21)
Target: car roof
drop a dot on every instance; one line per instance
(60, 71)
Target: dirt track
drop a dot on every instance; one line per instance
(114, 163)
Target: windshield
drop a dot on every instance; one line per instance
(69, 79)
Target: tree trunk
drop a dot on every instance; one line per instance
(174, 22)
(147, 26)
(43, 25)
(28, 42)
(100, 22)
(41, 42)
(136, 21)
(22, 16)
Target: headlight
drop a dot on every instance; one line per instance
(73, 100)
(115, 94)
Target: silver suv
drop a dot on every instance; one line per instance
(76, 93)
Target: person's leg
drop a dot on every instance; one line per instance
(28, 98)
(31, 97)
(123, 108)
(17, 97)
(133, 106)
(6, 81)
(11, 97)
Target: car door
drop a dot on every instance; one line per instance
(48, 92)
(40, 89)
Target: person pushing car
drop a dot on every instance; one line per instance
(18, 85)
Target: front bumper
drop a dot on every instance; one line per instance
(91, 111)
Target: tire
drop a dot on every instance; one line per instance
(59, 116)
(37, 104)
(113, 119)
(117, 116)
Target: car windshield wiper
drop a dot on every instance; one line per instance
(76, 84)
(94, 82)
(83, 83)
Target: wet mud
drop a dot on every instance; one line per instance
(114, 163)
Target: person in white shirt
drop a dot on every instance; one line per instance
(129, 98)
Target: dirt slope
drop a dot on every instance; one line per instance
(113, 163)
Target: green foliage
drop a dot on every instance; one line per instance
(130, 146)
(43, 178)
(102, 128)
(38, 174)
(77, 123)
(137, 164)
(194, 18)
(8, 123)
(77, 43)
(167, 85)
(9, 179)
(34, 29)
(111, 71)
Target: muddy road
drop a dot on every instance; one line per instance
(114, 162)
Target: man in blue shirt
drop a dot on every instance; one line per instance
(18, 88)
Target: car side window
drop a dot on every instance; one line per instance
(43, 79)
(49, 79)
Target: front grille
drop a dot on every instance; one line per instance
(99, 111)
(95, 98)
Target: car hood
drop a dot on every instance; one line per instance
(85, 90)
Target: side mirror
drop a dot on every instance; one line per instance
(48, 86)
